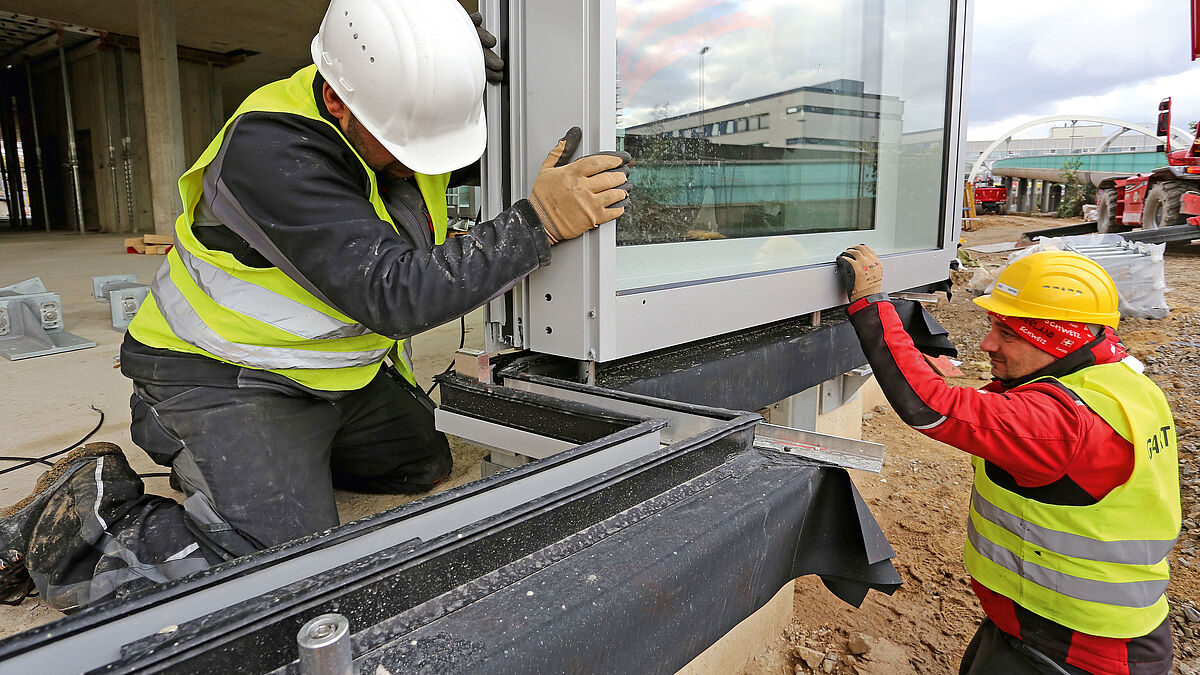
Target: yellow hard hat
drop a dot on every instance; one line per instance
(1055, 285)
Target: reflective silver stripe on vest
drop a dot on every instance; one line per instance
(190, 328)
(265, 305)
(1125, 552)
(1121, 594)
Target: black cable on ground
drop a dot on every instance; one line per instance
(45, 459)
(462, 325)
(27, 461)
(31, 460)
(462, 341)
(29, 592)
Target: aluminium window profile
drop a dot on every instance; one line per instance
(574, 307)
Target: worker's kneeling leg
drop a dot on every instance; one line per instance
(387, 442)
(254, 461)
(88, 533)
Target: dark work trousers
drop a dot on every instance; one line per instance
(258, 463)
(994, 652)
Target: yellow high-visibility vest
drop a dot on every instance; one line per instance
(1100, 569)
(206, 302)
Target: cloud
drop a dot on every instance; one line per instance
(1136, 103)
(1032, 58)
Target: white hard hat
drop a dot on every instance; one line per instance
(412, 73)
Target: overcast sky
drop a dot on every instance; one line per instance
(1111, 58)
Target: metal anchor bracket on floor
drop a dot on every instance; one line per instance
(123, 294)
(31, 323)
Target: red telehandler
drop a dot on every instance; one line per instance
(1153, 199)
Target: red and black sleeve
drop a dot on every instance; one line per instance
(1033, 432)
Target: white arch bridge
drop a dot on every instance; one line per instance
(1179, 137)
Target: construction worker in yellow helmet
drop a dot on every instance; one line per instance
(1075, 502)
(312, 245)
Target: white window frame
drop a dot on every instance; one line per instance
(561, 72)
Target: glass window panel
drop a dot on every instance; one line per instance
(842, 143)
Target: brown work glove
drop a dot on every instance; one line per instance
(860, 272)
(573, 197)
(493, 65)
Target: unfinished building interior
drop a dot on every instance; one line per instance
(105, 104)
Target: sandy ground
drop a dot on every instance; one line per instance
(44, 401)
(921, 501)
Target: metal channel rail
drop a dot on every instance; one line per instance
(837, 451)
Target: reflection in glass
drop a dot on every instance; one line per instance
(778, 131)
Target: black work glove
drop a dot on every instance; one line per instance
(493, 65)
(860, 272)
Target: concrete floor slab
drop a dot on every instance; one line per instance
(44, 401)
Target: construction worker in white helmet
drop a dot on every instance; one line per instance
(1075, 504)
(312, 244)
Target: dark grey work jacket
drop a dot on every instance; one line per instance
(306, 195)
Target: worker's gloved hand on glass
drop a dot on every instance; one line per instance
(573, 197)
(492, 63)
(860, 272)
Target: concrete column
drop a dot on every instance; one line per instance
(1046, 189)
(1056, 196)
(1023, 191)
(164, 116)
(1010, 195)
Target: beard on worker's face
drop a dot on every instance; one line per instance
(397, 170)
(373, 153)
